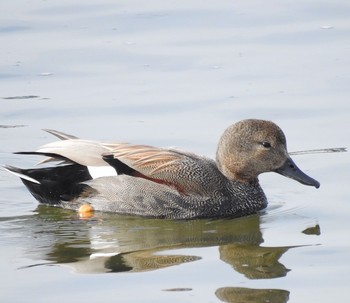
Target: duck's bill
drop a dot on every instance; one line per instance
(290, 170)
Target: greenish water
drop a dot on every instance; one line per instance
(177, 74)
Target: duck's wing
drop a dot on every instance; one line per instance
(187, 172)
(73, 149)
(83, 152)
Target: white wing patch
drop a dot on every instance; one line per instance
(101, 171)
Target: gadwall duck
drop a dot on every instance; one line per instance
(163, 183)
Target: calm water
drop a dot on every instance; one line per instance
(177, 74)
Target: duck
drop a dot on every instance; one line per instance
(165, 183)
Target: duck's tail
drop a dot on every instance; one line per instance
(52, 185)
(20, 173)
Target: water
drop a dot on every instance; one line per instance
(177, 74)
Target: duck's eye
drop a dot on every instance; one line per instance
(266, 144)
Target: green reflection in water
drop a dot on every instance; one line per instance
(244, 295)
(253, 261)
(314, 230)
(111, 243)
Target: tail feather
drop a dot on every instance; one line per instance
(51, 157)
(51, 185)
(20, 173)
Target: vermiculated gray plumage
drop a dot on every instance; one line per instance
(164, 183)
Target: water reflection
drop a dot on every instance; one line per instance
(253, 261)
(110, 243)
(243, 295)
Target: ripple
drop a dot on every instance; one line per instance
(21, 97)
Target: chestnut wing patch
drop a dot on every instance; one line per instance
(171, 167)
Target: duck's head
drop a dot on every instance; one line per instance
(251, 147)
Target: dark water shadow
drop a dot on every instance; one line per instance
(108, 243)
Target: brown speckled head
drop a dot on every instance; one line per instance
(251, 147)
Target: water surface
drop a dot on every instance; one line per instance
(177, 74)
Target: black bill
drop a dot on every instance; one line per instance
(290, 170)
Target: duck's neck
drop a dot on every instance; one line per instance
(233, 167)
(245, 176)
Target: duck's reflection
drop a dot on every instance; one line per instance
(253, 261)
(110, 243)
